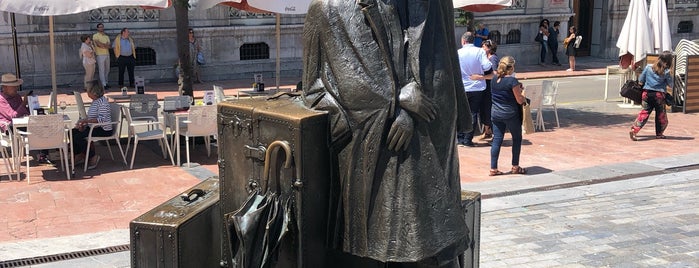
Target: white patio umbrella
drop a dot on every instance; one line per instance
(482, 5)
(635, 39)
(263, 6)
(66, 7)
(660, 25)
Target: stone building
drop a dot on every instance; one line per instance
(238, 44)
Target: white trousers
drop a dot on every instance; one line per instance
(103, 67)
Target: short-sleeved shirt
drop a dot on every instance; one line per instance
(478, 41)
(102, 38)
(125, 47)
(653, 81)
(473, 60)
(100, 110)
(505, 104)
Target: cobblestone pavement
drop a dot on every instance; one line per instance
(645, 222)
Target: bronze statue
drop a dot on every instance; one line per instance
(388, 74)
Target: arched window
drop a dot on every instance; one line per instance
(513, 37)
(254, 51)
(686, 26)
(144, 56)
(494, 36)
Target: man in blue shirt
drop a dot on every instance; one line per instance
(481, 34)
(474, 64)
(125, 52)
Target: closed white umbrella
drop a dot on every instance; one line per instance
(259, 6)
(65, 7)
(661, 26)
(635, 39)
(482, 5)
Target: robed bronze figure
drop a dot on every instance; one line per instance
(388, 74)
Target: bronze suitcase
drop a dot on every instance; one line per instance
(246, 128)
(471, 203)
(182, 232)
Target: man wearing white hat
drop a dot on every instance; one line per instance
(12, 105)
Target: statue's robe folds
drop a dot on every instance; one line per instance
(391, 206)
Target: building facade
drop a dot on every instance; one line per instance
(238, 44)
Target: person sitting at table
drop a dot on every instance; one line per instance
(99, 112)
(12, 105)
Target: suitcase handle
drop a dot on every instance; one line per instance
(193, 195)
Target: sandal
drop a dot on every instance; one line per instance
(632, 135)
(518, 170)
(495, 172)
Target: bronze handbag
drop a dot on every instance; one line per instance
(257, 228)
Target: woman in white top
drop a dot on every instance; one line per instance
(88, 56)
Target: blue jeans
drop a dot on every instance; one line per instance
(499, 126)
(544, 50)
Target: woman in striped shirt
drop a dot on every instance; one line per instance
(99, 112)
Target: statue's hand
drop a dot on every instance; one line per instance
(416, 102)
(401, 132)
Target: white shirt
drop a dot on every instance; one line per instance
(473, 60)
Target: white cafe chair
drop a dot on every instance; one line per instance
(200, 122)
(154, 130)
(116, 125)
(535, 95)
(82, 114)
(6, 141)
(46, 132)
(550, 94)
(142, 108)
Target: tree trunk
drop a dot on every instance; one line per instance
(182, 26)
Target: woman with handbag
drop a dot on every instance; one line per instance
(194, 50)
(506, 114)
(655, 79)
(569, 44)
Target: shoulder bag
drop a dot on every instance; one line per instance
(632, 90)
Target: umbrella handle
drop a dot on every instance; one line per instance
(268, 158)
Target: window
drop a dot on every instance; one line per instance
(513, 37)
(495, 37)
(144, 56)
(685, 27)
(255, 51)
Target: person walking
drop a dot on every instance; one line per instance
(474, 65)
(88, 56)
(101, 45)
(125, 52)
(508, 96)
(569, 44)
(656, 79)
(553, 42)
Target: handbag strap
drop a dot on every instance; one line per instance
(269, 163)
